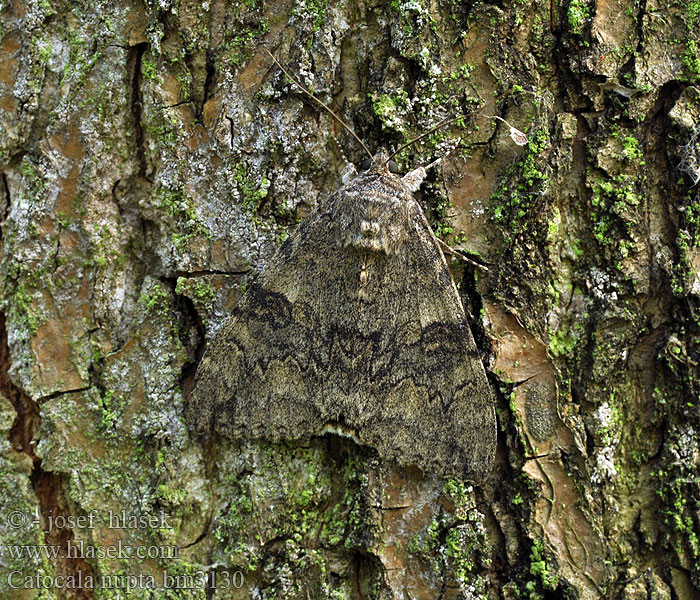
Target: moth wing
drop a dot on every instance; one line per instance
(427, 401)
(259, 374)
(372, 345)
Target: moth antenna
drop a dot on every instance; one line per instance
(515, 134)
(422, 135)
(310, 95)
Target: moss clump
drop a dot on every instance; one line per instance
(631, 149)
(676, 492)
(563, 340)
(200, 291)
(176, 204)
(295, 513)
(149, 70)
(253, 190)
(519, 213)
(614, 214)
(313, 11)
(455, 540)
(262, 209)
(391, 109)
(247, 24)
(519, 191)
(691, 62)
(22, 313)
(579, 11)
(156, 298)
(540, 569)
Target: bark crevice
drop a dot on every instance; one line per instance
(47, 485)
(134, 64)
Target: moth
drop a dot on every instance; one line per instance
(355, 327)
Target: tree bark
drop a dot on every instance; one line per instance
(153, 158)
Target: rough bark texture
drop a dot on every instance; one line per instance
(151, 160)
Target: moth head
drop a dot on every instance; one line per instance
(379, 164)
(382, 164)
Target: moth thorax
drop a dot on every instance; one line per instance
(374, 223)
(371, 241)
(369, 228)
